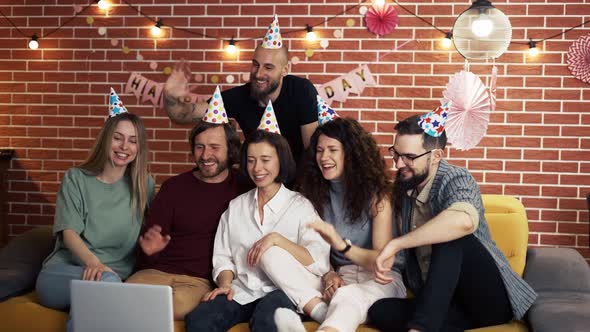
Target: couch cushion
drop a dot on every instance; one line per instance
(24, 313)
(21, 259)
(561, 311)
(509, 228)
(546, 268)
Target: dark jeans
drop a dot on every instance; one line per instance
(221, 314)
(463, 290)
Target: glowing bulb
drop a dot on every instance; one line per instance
(231, 49)
(310, 35)
(482, 26)
(379, 3)
(156, 29)
(447, 42)
(533, 50)
(33, 44)
(102, 4)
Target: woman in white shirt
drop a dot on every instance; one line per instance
(263, 240)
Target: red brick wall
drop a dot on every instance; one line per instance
(53, 100)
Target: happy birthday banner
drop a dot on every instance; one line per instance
(147, 90)
(338, 89)
(353, 82)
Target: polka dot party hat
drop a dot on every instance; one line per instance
(273, 39)
(116, 106)
(268, 122)
(433, 123)
(325, 113)
(216, 111)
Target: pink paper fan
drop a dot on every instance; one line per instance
(470, 110)
(493, 88)
(578, 59)
(381, 20)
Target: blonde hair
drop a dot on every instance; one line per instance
(136, 172)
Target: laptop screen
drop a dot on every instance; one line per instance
(111, 306)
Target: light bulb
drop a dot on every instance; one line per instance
(379, 3)
(482, 26)
(231, 49)
(310, 35)
(533, 50)
(102, 4)
(156, 29)
(33, 44)
(447, 42)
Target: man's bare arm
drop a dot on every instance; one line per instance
(183, 112)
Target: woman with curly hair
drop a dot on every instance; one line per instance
(346, 181)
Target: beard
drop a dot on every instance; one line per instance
(262, 94)
(411, 183)
(221, 166)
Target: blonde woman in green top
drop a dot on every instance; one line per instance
(99, 211)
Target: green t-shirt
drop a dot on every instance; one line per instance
(102, 215)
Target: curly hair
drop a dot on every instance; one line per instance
(364, 177)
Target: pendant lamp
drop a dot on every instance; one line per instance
(482, 31)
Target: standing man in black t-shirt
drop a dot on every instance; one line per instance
(293, 98)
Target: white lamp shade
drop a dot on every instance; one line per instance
(482, 32)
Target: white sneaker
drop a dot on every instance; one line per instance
(288, 321)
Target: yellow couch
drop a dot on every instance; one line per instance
(505, 215)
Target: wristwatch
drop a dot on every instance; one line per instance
(347, 248)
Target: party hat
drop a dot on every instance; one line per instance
(216, 111)
(268, 122)
(116, 106)
(273, 39)
(433, 123)
(325, 113)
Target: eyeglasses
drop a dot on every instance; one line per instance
(408, 159)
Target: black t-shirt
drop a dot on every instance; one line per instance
(296, 106)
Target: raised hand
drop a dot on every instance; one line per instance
(328, 233)
(177, 83)
(152, 241)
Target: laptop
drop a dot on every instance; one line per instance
(111, 306)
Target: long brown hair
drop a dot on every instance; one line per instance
(136, 171)
(364, 178)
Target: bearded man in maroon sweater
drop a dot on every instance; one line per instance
(177, 241)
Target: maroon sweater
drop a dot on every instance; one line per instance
(189, 210)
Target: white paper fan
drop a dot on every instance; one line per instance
(470, 111)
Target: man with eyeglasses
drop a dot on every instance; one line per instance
(460, 279)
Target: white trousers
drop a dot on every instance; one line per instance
(348, 308)
(288, 274)
(351, 302)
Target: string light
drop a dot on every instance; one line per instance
(231, 48)
(157, 28)
(447, 41)
(310, 35)
(103, 4)
(533, 50)
(34, 44)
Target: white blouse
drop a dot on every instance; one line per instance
(287, 213)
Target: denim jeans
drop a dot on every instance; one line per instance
(463, 290)
(220, 314)
(53, 285)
